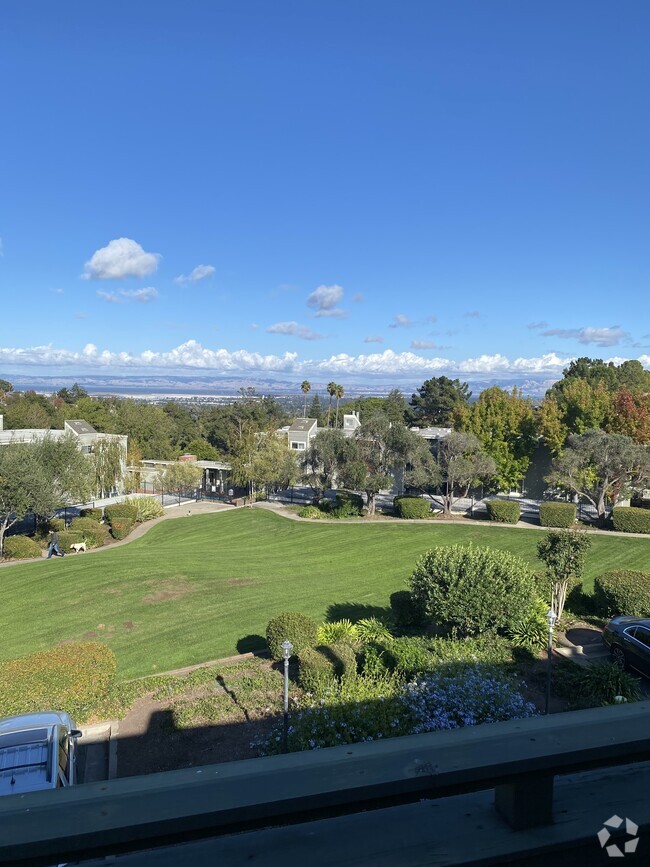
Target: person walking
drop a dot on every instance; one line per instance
(54, 546)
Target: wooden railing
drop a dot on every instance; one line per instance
(197, 815)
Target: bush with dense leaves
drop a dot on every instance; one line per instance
(310, 512)
(412, 507)
(321, 667)
(67, 538)
(120, 511)
(20, 548)
(146, 508)
(121, 527)
(84, 524)
(531, 632)
(412, 656)
(472, 590)
(299, 629)
(95, 514)
(73, 677)
(505, 511)
(406, 611)
(95, 537)
(348, 505)
(622, 592)
(557, 515)
(338, 632)
(627, 519)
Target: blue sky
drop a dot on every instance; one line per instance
(310, 189)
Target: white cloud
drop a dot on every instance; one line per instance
(325, 298)
(144, 296)
(599, 336)
(121, 258)
(193, 356)
(198, 273)
(295, 330)
(335, 312)
(422, 344)
(373, 339)
(401, 321)
(111, 297)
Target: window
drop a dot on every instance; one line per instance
(299, 446)
(642, 635)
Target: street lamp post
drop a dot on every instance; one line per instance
(287, 648)
(551, 617)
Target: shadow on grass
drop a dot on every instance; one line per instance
(251, 644)
(356, 611)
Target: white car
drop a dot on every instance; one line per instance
(37, 751)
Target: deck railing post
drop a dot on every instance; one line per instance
(528, 803)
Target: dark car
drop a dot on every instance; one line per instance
(628, 639)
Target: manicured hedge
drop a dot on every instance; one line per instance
(299, 629)
(406, 611)
(412, 507)
(20, 548)
(84, 524)
(557, 514)
(629, 519)
(321, 667)
(121, 511)
(505, 511)
(69, 537)
(121, 527)
(73, 677)
(95, 514)
(622, 592)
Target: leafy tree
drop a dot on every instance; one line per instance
(203, 450)
(599, 466)
(630, 415)
(375, 450)
(149, 427)
(305, 387)
(393, 406)
(323, 459)
(180, 477)
(261, 458)
(463, 463)
(505, 424)
(109, 457)
(612, 376)
(5, 387)
(316, 410)
(27, 409)
(40, 477)
(563, 552)
(73, 394)
(436, 400)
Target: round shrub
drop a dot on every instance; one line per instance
(299, 629)
(74, 677)
(622, 592)
(557, 514)
(121, 527)
(95, 514)
(505, 511)
(121, 511)
(67, 538)
(84, 524)
(95, 537)
(412, 507)
(322, 667)
(628, 519)
(310, 512)
(408, 656)
(20, 548)
(406, 611)
(471, 590)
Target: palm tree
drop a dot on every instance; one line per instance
(305, 388)
(331, 390)
(339, 391)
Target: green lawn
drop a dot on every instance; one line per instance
(198, 588)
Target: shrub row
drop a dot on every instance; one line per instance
(412, 507)
(557, 514)
(74, 677)
(628, 519)
(622, 592)
(505, 511)
(95, 514)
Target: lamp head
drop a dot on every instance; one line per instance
(551, 618)
(287, 648)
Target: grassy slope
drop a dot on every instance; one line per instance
(236, 570)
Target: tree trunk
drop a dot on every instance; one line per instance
(371, 502)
